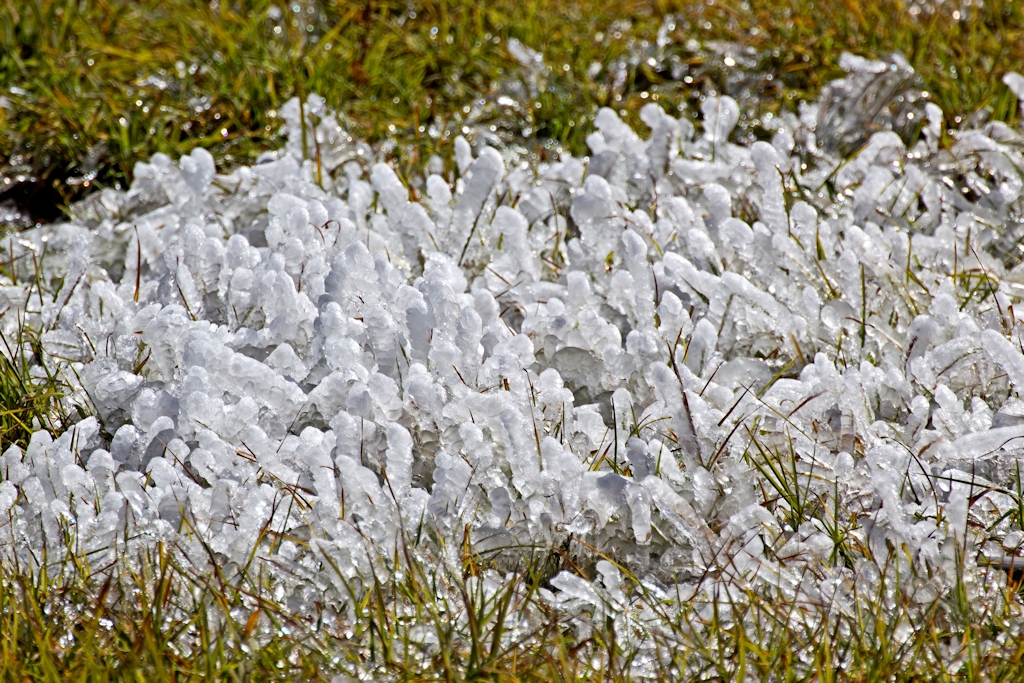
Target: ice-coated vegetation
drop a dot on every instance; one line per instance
(699, 371)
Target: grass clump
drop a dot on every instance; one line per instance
(34, 387)
(156, 623)
(30, 392)
(25, 402)
(90, 88)
(164, 619)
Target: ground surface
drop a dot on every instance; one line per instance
(90, 88)
(820, 330)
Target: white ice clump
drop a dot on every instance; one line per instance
(683, 352)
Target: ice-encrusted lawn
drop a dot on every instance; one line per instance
(696, 373)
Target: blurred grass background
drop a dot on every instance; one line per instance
(89, 87)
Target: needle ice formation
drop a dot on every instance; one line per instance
(717, 364)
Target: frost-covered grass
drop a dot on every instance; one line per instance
(91, 87)
(168, 621)
(694, 406)
(30, 396)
